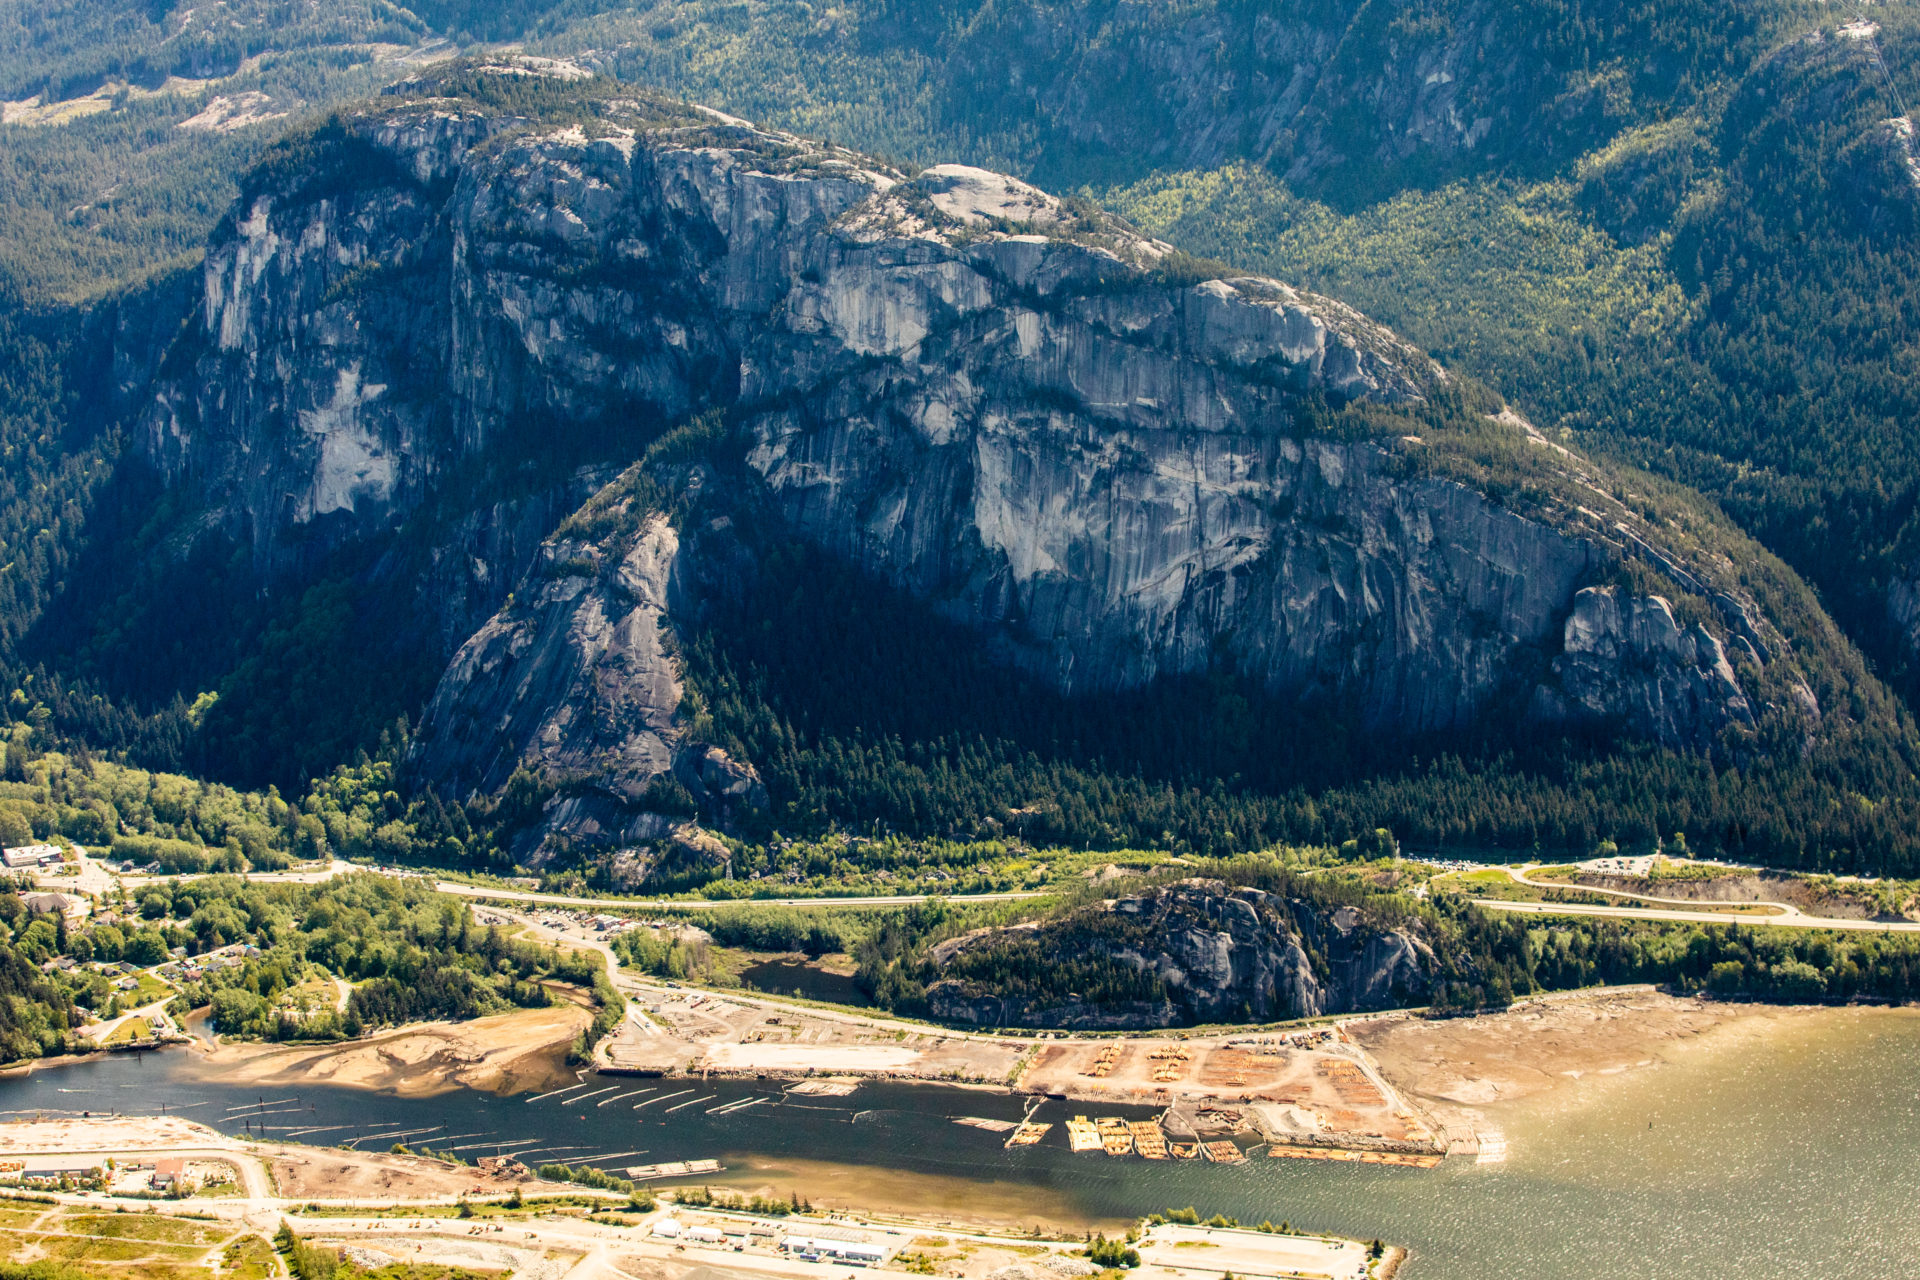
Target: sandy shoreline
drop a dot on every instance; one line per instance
(516, 1052)
(1467, 1072)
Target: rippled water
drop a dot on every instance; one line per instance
(1793, 1156)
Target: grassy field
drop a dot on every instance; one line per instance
(249, 1258)
(149, 990)
(151, 1246)
(130, 1030)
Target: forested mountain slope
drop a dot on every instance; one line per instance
(1152, 515)
(1670, 234)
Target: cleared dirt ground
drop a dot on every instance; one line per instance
(325, 1173)
(1304, 1083)
(701, 1032)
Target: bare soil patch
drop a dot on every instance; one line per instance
(505, 1053)
(321, 1173)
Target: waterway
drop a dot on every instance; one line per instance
(1791, 1156)
(803, 978)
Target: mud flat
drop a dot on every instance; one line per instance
(1463, 1070)
(505, 1053)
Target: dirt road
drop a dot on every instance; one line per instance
(1783, 915)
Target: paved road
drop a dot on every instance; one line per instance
(155, 1012)
(562, 900)
(1696, 905)
(96, 879)
(1783, 914)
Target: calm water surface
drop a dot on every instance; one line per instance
(799, 978)
(1792, 1156)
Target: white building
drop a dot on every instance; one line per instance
(22, 857)
(832, 1242)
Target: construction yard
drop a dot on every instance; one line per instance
(1312, 1087)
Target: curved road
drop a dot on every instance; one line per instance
(1785, 915)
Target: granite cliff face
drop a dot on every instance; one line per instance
(1209, 954)
(1014, 407)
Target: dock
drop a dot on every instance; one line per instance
(1223, 1152)
(1116, 1138)
(1403, 1159)
(981, 1122)
(824, 1088)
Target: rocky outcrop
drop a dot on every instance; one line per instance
(569, 681)
(1211, 953)
(1625, 659)
(1012, 407)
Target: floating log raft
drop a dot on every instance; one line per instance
(1082, 1135)
(673, 1169)
(1148, 1140)
(1028, 1134)
(1404, 1159)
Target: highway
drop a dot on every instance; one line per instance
(95, 879)
(562, 900)
(1781, 914)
